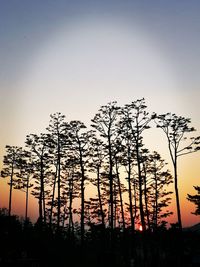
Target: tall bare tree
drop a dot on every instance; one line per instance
(41, 164)
(97, 156)
(158, 178)
(24, 176)
(57, 142)
(10, 169)
(137, 120)
(79, 140)
(176, 129)
(105, 122)
(127, 159)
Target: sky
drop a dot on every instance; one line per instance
(74, 56)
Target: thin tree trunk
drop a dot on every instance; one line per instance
(130, 192)
(99, 197)
(82, 205)
(135, 199)
(64, 213)
(59, 203)
(140, 188)
(115, 205)
(111, 185)
(53, 196)
(145, 197)
(120, 196)
(82, 198)
(156, 196)
(71, 223)
(177, 194)
(10, 195)
(27, 189)
(42, 197)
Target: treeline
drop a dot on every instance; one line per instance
(131, 182)
(24, 244)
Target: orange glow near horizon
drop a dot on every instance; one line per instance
(140, 228)
(189, 172)
(18, 201)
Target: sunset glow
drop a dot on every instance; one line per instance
(99, 133)
(89, 55)
(140, 228)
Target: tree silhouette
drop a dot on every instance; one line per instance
(79, 139)
(10, 169)
(131, 186)
(137, 120)
(105, 122)
(158, 179)
(24, 176)
(57, 142)
(121, 189)
(145, 165)
(176, 128)
(71, 181)
(97, 156)
(38, 145)
(195, 199)
(127, 159)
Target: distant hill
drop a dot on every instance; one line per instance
(195, 228)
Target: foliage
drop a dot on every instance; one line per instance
(105, 176)
(195, 199)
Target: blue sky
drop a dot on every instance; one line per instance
(26, 24)
(167, 31)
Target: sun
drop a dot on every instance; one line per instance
(140, 228)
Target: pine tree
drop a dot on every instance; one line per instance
(10, 169)
(159, 178)
(38, 145)
(79, 140)
(57, 143)
(105, 122)
(137, 120)
(195, 199)
(176, 129)
(24, 176)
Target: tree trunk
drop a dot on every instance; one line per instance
(82, 200)
(156, 200)
(71, 223)
(140, 188)
(111, 185)
(10, 195)
(130, 192)
(53, 196)
(63, 217)
(27, 187)
(135, 199)
(145, 197)
(99, 197)
(41, 197)
(115, 206)
(120, 197)
(59, 203)
(177, 194)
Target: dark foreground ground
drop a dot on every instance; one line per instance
(22, 244)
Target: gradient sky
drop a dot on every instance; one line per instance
(74, 56)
